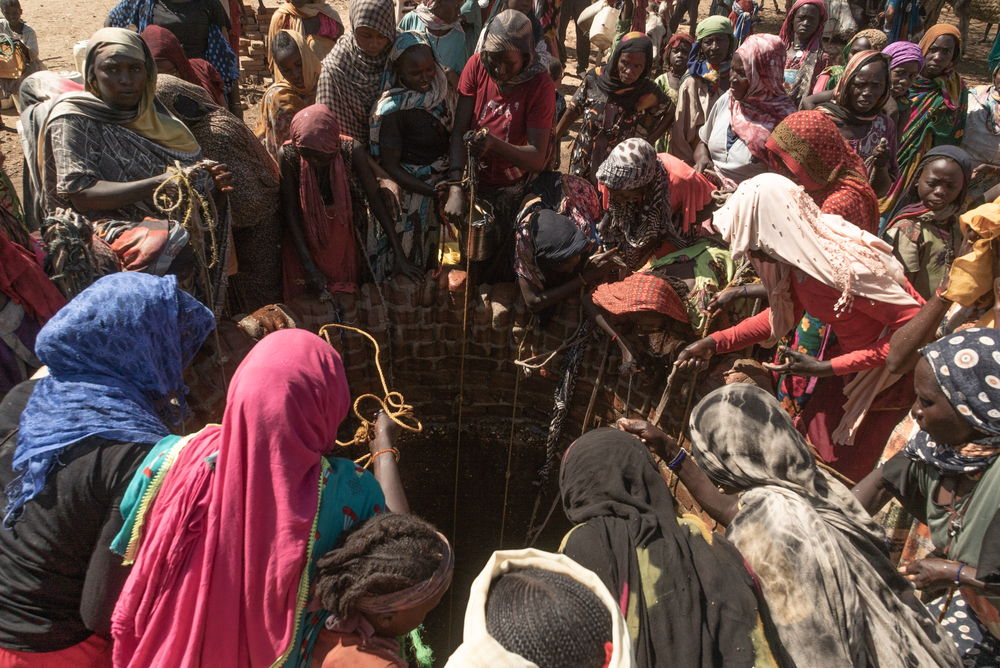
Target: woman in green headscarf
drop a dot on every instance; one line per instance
(871, 39)
(707, 78)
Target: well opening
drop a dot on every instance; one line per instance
(504, 412)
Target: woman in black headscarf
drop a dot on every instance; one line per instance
(616, 102)
(685, 593)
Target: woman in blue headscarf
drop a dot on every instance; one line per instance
(947, 478)
(115, 357)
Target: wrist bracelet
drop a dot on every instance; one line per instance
(678, 460)
(958, 575)
(394, 451)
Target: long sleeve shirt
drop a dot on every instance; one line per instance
(859, 330)
(27, 35)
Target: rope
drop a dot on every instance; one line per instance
(177, 191)
(510, 441)
(391, 402)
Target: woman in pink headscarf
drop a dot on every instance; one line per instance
(805, 59)
(224, 526)
(758, 101)
(317, 167)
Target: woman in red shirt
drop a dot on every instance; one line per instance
(506, 90)
(820, 263)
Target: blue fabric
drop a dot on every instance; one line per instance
(966, 365)
(116, 356)
(218, 51)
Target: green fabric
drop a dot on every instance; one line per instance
(994, 58)
(141, 481)
(713, 25)
(926, 249)
(713, 269)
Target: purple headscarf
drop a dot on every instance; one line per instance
(904, 52)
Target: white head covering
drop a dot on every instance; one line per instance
(771, 214)
(480, 650)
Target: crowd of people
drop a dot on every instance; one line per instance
(826, 206)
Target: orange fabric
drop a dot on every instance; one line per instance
(94, 652)
(640, 293)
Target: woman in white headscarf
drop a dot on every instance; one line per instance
(820, 263)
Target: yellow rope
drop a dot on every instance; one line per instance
(391, 402)
(177, 191)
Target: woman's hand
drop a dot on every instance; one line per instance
(723, 299)
(222, 176)
(406, 268)
(454, 208)
(385, 428)
(800, 364)
(703, 163)
(599, 267)
(695, 357)
(652, 436)
(481, 143)
(928, 573)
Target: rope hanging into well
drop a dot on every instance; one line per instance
(176, 192)
(391, 402)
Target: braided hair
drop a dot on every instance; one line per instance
(282, 45)
(549, 619)
(385, 554)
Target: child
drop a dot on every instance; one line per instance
(924, 231)
(23, 36)
(378, 585)
(677, 50)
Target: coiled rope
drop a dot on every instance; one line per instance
(391, 402)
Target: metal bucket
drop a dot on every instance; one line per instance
(481, 235)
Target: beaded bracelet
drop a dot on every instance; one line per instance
(678, 460)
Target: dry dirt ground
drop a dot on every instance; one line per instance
(62, 23)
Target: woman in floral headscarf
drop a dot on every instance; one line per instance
(937, 109)
(616, 102)
(947, 477)
(410, 130)
(754, 104)
(802, 33)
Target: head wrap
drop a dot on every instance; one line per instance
(116, 356)
(416, 595)
(840, 108)
(787, 33)
(310, 65)
(439, 101)
(510, 30)
(480, 650)
(698, 65)
(607, 77)
(807, 538)
(940, 30)
(910, 206)
(677, 39)
(351, 80)
(316, 128)
(610, 484)
(966, 365)
(971, 275)
(557, 238)
(877, 39)
(766, 103)
(290, 17)
(425, 11)
(635, 226)
(769, 213)
(904, 52)
(231, 555)
(809, 144)
(642, 292)
(164, 45)
(145, 120)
